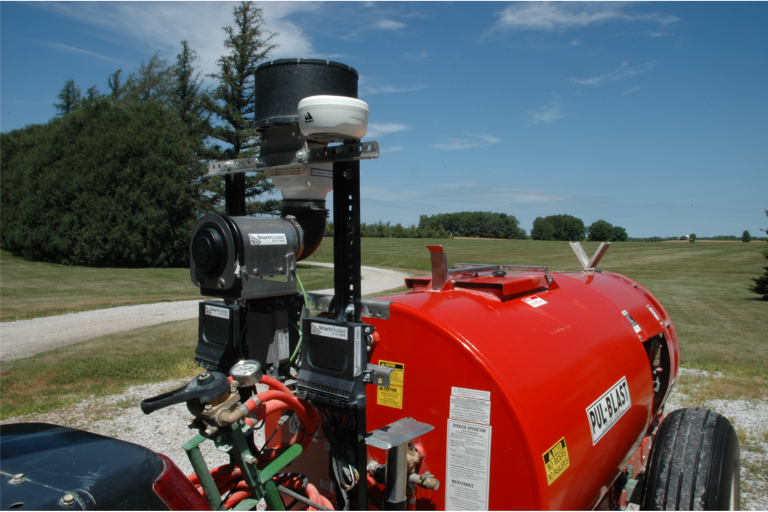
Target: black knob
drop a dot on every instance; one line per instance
(208, 249)
(499, 273)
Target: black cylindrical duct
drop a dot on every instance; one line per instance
(281, 84)
(311, 216)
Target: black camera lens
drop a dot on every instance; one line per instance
(208, 249)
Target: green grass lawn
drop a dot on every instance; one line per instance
(33, 289)
(704, 285)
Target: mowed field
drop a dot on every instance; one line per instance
(703, 285)
(34, 289)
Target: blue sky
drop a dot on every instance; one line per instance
(652, 116)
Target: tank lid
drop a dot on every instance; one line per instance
(505, 287)
(317, 62)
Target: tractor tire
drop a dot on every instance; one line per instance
(694, 463)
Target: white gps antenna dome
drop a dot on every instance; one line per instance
(333, 118)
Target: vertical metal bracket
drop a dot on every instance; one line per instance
(586, 263)
(394, 438)
(439, 266)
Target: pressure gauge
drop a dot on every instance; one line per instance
(246, 373)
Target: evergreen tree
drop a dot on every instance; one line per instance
(69, 97)
(189, 99)
(761, 283)
(746, 237)
(91, 95)
(104, 186)
(115, 84)
(233, 103)
(152, 81)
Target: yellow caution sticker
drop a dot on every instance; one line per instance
(392, 396)
(556, 461)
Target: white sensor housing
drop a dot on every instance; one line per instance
(310, 183)
(333, 118)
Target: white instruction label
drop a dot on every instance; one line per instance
(534, 301)
(476, 410)
(217, 312)
(325, 173)
(467, 466)
(283, 344)
(653, 312)
(267, 239)
(329, 331)
(606, 410)
(470, 393)
(631, 321)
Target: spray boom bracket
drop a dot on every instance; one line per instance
(348, 152)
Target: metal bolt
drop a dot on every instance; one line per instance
(18, 478)
(350, 309)
(348, 174)
(367, 330)
(221, 283)
(208, 432)
(233, 389)
(203, 376)
(67, 500)
(249, 459)
(208, 408)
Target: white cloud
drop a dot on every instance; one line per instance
(556, 15)
(392, 149)
(627, 92)
(545, 114)
(384, 89)
(379, 129)
(417, 56)
(476, 140)
(72, 49)
(389, 25)
(153, 26)
(624, 71)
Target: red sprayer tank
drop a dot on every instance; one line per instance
(540, 386)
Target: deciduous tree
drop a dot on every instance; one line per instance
(600, 231)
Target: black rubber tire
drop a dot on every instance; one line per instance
(694, 463)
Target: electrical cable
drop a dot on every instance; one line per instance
(301, 335)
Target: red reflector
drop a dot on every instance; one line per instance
(175, 489)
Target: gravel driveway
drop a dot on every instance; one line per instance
(28, 337)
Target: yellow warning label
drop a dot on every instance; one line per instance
(556, 461)
(397, 376)
(392, 396)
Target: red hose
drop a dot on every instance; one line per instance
(228, 477)
(275, 384)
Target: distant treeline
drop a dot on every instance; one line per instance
(446, 225)
(570, 228)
